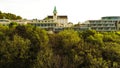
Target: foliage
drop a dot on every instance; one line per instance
(26, 46)
(9, 16)
(13, 24)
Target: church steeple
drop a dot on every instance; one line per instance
(55, 15)
(55, 10)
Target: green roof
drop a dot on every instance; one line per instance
(55, 11)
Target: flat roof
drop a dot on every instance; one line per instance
(111, 17)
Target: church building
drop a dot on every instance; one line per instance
(51, 21)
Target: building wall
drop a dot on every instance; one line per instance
(118, 25)
(43, 23)
(62, 20)
(21, 22)
(103, 25)
(4, 22)
(108, 23)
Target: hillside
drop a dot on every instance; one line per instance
(9, 16)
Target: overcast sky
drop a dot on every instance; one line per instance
(76, 10)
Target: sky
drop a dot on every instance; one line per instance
(76, 10)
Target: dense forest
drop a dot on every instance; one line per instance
(9, 16)
(26, 46)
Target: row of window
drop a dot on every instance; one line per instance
(102, 21)
(43, 21)
(104, 28)
(102, 25)
(44, 25)
(4, 21)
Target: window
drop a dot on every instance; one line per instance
(41, 24)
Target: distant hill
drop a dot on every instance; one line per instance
(9, 16)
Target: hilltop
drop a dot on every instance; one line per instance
(9, 16)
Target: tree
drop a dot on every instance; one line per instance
(95, 39)
(14, 53)
(64, 47)
(9, 16)
(87, 33)
(0, 12)
(19, 17)
(13, 24)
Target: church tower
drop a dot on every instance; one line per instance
(55, 15)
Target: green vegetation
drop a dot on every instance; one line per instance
(9, 16)
(26, 46)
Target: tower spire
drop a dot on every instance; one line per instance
(55, 14)
(55, 10)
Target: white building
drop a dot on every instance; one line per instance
(109, 23)
(51, 21)
(20, 22)
(4, 22)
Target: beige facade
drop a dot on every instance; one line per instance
(43, 23)
(51, 20)
(21, 22)
(4, 22)
(61, 20)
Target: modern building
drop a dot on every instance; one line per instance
(108, 23)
